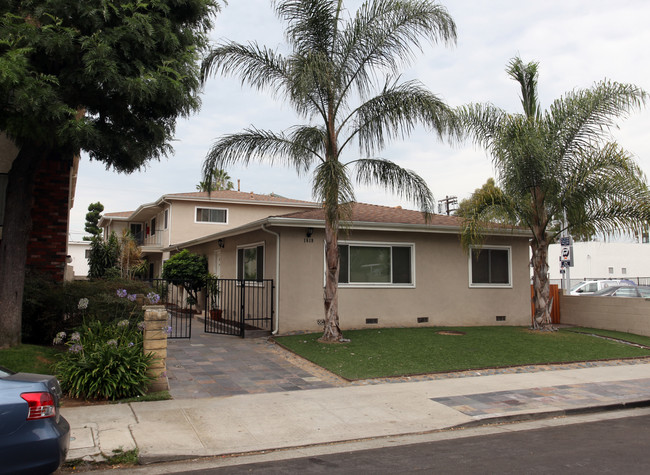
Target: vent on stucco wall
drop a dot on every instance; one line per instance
(501, 318)
(423, 319)
(371, 321)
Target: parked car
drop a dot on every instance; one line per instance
(625, 291)
(34, 436)
(591, 286)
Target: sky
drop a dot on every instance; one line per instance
(576, 42)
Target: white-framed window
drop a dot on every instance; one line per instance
(153, 226)
(370, 264)
(490, 266)
(211, 215)
(166, 219)
(250, 262)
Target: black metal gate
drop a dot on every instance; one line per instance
(235, 306)
(179, 305)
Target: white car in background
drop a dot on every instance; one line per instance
(591, 286)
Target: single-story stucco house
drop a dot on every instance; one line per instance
(396, 269)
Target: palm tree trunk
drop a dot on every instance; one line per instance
(15, 235)
(332, 332)
(541, 285)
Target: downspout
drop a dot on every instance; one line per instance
(169, 229)
(169, 223)
(277, 276)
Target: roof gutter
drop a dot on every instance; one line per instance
(277, 278)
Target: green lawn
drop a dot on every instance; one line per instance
(29, 359)
(408, 351)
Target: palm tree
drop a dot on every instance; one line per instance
(334, 67)
(217, 180)
(557, 166)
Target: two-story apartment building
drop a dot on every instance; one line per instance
(180, 217)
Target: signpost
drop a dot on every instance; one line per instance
(566, 260)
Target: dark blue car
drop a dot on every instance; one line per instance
(34, 437)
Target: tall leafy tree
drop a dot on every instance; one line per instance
(488, 192)
(341, 77)
(93, 216)
(106, 77)
(557, 166)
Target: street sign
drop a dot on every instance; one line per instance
(566, 256)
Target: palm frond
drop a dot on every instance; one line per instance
(481, 122)
(384, 34)
(526, 75)
(400, 181)
(258, 66)
(294, 151)
(332, 187)
(395, 112)
(311, 23)
(583, 117)
(608, 192)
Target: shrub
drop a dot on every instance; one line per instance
(49, 307)
(104, 255)
(104, 361)
(188, 270)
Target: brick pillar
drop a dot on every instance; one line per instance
(47, 247)
(155, 341)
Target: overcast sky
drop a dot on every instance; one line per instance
(576, 42)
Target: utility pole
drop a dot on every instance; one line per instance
(446, 205)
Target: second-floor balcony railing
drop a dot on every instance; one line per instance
(148, 240)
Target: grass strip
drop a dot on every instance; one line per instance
(391, 352)
(29, 359)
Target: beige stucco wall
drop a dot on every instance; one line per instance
(184, 227)
(228, 254)
(441, 292)
(631, 315)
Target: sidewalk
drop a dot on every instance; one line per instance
(189, 428)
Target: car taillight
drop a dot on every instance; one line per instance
(41, 405)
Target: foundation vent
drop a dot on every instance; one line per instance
(320, 322)
(423, 319)
(501, 318)
(372, 321)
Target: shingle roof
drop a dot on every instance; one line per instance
(363, 212)
(236, 195)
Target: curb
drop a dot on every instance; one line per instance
(535, 416)
(525, 417)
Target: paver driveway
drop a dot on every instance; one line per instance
(209, 365)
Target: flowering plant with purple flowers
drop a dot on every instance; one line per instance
(104, 361)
